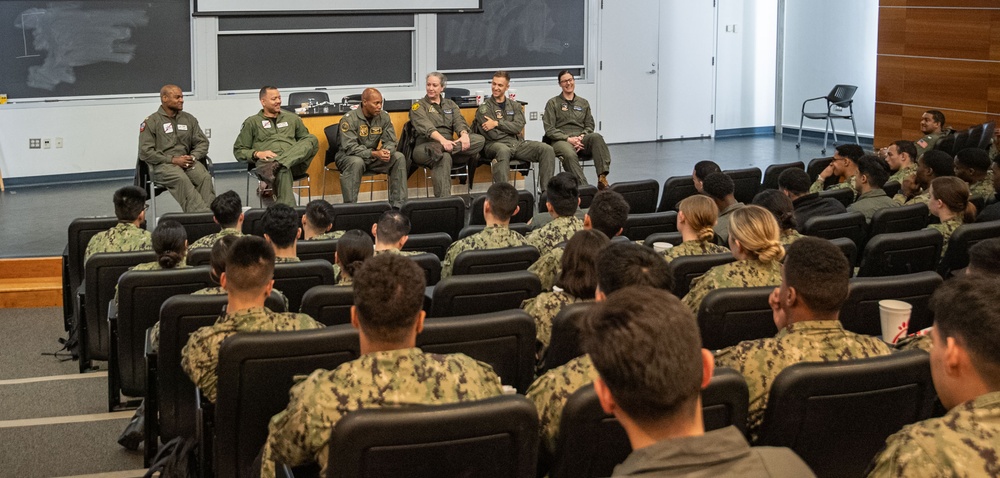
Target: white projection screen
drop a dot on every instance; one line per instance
(264, 7)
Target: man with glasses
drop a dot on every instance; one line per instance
(569, 125)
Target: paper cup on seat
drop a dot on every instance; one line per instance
(895, 318)
(661, 247)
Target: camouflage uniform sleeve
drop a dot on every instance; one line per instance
(550, 392)
(448, 264)
(817, 185)
(902, 456)
(549, 121)
(700, 287)
(200, 358)
(547, 269)
(298, 433)
(243, 146)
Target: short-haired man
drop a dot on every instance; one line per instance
(317, 221)
(872, 175)
(562, 198)
(720, 187)
(277, 143)
(794, 182)
(172, 144)
(500, 205)
(814, 285)
(965, 367)
(227, 212)
(368, 145)
(437, 120)
(972, 165)
(646, 349)
(608, 213)
(619, 265)
(391, 233)
(932, 126)
(501, 123)
(128, 235)
(281, 229)
(248, 279)
(902, 158)
(391, 372)
(701, 170)
(916, 188)
(844, 165)
(569, 124)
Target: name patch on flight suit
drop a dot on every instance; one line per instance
(363, 130)
(168, 128)
(578, 108)
(282, 124)
(266, 123)
(447, 112)
(376, 130)
(182, 127)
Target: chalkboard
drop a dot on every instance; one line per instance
(52, 49)
(513, 34)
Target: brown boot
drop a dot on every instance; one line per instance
(267, 170)
(602, 182)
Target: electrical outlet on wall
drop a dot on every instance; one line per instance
(35, 143)
(46, 143)
(59, 142)
(533, 116)
(208, 133)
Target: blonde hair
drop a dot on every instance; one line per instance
(758, 233)
(701, 214)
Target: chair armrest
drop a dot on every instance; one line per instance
(112, 311)
(150, 351)
(811, 99)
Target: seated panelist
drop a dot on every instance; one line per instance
(368, 145)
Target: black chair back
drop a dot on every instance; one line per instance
(731, 315)
(256, 370)
(675, 189)
(898, 219)
(482, 293)
(196, 224)
(674, 238)
(329, 304)
(294, 278)
(844, 196)
(431, 266)
(435, 215)
(564, 343)
(489, 261)
(452, 93)
(525, 203)
(201, 256)
(492, 438)
(891, 188)
(640, 195)
(519, 227)
(643, 225)
(966, 236)
(102, 273)
(837, 415)
(332, 133)
(253, 220)
(358, 215)
(433, 242)
(323, 249)
(816, 166)
(851, 225)
(504, 339)
(747, 183)
(78, 236)
(772, 172)
(686, 268)
(860, 313)
(901, 253)
(849, 249)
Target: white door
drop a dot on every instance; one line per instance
(627, 71)
(687, 69)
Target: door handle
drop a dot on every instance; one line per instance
(651, 72)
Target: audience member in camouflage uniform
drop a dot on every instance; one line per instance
(806, 307)
(781, 208)
(281, 229)
(248, 279)
(949, 201)
(844, 165)
(933, 164)
(391, 371)
(127, 235)
(872, 175)
(227, 212)
(500, 205)
(696, 218)
(972, 165)
(646, 348)
(353, 249)
(901, 156)
(619, 265)
(754, 241)
(391, 233)
(965, 366)
(608, 213)
(720, 187)
(562, 200)
(577, 282)
(317, 221)
(368, 146)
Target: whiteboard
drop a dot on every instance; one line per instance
(250, 7)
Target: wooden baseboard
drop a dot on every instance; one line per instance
(31, 282)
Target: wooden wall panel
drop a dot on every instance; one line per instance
(961, 85)
(939, 3)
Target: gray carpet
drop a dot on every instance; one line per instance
(54, 398)
(25, 334)
(66, 449)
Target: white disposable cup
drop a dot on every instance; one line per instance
(662, 247)
(895, 318)
(479, 97)
(512, 94)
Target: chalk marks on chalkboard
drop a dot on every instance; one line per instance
(72, 36)
(504, 27)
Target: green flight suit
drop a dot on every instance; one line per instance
(288, 137)
(565, 118)
(445, 118)
(359, 137)
(162, 137)
(505, 142)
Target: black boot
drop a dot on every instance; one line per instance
(133, 434)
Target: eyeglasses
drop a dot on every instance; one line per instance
(568, 80)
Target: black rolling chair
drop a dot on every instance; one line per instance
(816, 166)
(772, 172)
(329, 304)
(840, 96)
(898, 253)
(518, 227)
(144, 180)
(297, 184)
(525, 203)
(431, 266)
(747, 183)
(196, 224)
(851, 225)
(435, 215)
(564, 344)
(492, 438)
(685, 269)
(729, 316)
(332, 133)
(644, 225)
(675, 189)
(295, 278)
(433, 242)
(322, 249)
(837, 415)
(482, 293)
(505, 340)
(966, 236)
(78, 236)
(860, 313)
(358, 215)
(844, 196)
(640, 195)
(490, 261)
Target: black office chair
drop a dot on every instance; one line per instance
(144, 180)
(518, 227)
(860, 313)
(482, 293)
(332, 133)
(966, 236)
(747, 183)
(685, 269)
(851, 225)
(898, 253)
(329, 304)
(452, 93)
(79, 233)
(772, 172)
(297, 98)
(505, 340)
(643, 225)
(898, 219)
(358, 215)
(844, 196)
(731, 315)
(675, 189)
(297, 184)
(849, 249)
(564, 344)
(525, 203)
(295, 278)
(840, 96)
(837, 415)
(640, 195)
(492, 438)
(196, 224)
(490, 261)
(431, 266)
(586, 191)
(674, 238)
(319, 249)
(435, 215)
(201, 256)
(816, 166)
(436, 243)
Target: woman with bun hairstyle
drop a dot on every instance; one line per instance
(696, 218)
(353, 249)
(949, 201)
(754, 239)
(784, 212)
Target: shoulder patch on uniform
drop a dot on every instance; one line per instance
(484, 109)
(415, 106)
(344, 126)
(922, 143)
(142, 126)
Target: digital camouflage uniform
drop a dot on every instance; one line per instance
(491, 237)
(327, 235)
(445, 118)
(915, 342)
(287, 137)
(506, 141)
(550, 392)
(851, 184)
(160, 139)
(211, 239)
(745, 273)
(922, 198)
(903, 173)
(982, 190)
(543, 308)
(558, 230)
(761, 360)
(946, 228)
(788, 236)
(148, 266)
(393, 250)
(548, 267)
(200, 356)
(301, 433)
(870, 202)
(155, 334)
(693, 248)
(563, 119)
(928, 142)
(359, 137)
(963, 443)
(285, 260)
(124, 237)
